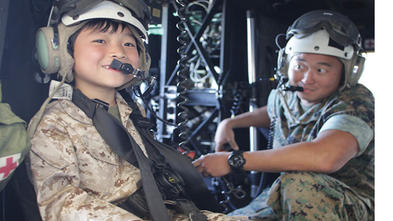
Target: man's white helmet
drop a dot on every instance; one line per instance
(318, 42)
(327, 33)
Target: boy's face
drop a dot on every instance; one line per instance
(94, 51)
(319, 75)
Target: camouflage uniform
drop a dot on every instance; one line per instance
(76, 175)
(347, 194)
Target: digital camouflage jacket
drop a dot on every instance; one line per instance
(351, 110)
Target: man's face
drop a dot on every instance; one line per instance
(319, 75)
(94, 50)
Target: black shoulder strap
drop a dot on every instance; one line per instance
(117, 137)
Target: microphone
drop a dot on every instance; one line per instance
(126, 68)
(293, 88)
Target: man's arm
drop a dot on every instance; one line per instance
(257, 118)
(224, 133)
(331, 150)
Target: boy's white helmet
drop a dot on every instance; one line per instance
(108, 10)
(327, 33)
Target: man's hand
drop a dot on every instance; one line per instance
(213, 164)
(225, 134)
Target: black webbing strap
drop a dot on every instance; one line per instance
(116, 136)
(156, 150)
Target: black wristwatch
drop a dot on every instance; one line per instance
(236, 160)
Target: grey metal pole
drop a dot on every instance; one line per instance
(251, 58)
(164, 44)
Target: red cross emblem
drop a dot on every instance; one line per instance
(8, 164)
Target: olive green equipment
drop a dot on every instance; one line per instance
(13, 142)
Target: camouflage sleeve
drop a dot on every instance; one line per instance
(56, 178)
(351, 124)
(271, 102)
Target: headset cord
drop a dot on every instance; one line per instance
(183, 39)
(145, 98)
(237, 101)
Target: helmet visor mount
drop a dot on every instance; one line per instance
(318, 42)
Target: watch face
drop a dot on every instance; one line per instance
(236, 160)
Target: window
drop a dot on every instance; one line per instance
(368, 77)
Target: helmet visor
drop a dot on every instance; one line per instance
(339, 27)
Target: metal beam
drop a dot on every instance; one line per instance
(4, 5)
(163, 63)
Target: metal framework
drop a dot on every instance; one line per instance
(202, 103)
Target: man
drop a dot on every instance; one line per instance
(323, 129)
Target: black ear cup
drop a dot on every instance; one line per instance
(47, 48)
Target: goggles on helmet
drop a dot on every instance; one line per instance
(340, 28)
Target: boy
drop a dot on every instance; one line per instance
(76, 171)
